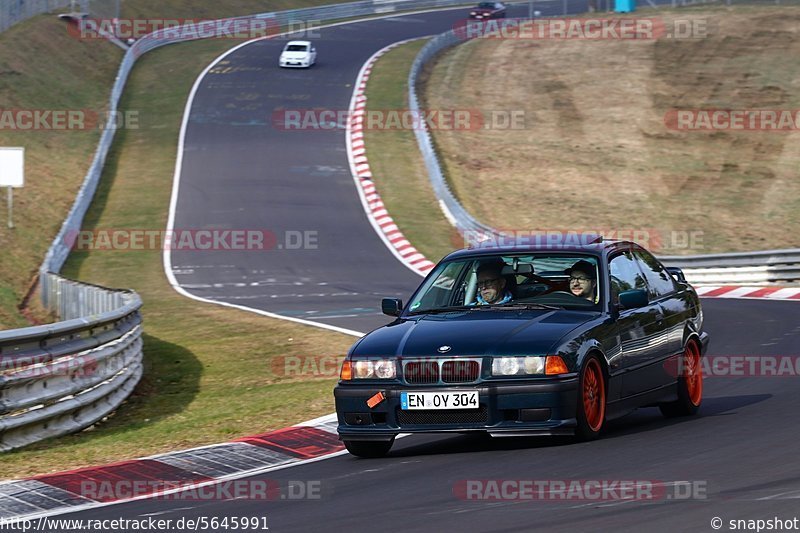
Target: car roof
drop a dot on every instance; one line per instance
(307, 43)
(596, 248)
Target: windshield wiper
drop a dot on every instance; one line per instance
(436, 310)
(523, 305)
(510, 305)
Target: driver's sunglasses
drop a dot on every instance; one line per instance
(579, 280)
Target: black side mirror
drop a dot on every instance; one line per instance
(633, 299)
(391, 306)
(677, 273)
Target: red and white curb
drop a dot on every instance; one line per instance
(170, 473)
(362, 175)
(738, 291)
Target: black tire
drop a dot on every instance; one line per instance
(369, 449)
(591, 408)
(690, 385)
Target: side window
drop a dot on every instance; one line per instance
(625, 275)
(453, 282)
(658, 279)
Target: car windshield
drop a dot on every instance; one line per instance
(539, 280)
(486, 5)
(296, 48)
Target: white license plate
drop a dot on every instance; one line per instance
(439, 400)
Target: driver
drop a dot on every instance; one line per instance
(582, 280)
(492, 285)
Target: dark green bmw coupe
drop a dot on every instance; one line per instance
(526, 340)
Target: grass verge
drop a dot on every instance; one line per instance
(36, 56)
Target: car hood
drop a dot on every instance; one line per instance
(474, 332)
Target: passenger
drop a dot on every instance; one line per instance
(582, 280)
(491, 285)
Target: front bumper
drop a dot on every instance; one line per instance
(541, 407)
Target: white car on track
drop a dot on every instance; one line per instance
(298, 54)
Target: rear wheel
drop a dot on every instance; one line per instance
(690, 384)
(368, 448)
(591, 400)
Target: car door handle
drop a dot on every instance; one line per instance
(659, 317)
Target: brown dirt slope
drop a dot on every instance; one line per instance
(595, 152)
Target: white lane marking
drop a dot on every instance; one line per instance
(159, 513)
(790, 495)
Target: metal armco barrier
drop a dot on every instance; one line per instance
(60, 378)
(452, 208)
(750, 268)
(769, 267)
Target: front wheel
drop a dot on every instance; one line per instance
(370, 449)
(591, 400)
(690, 385)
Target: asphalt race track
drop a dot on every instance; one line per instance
(740, 451)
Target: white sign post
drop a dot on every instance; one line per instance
(12, 174)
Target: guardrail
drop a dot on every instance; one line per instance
(452, 208)
(751, 268)
(60, 378)
(768, 267)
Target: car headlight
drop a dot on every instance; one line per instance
(369, 369)
(518, 366)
